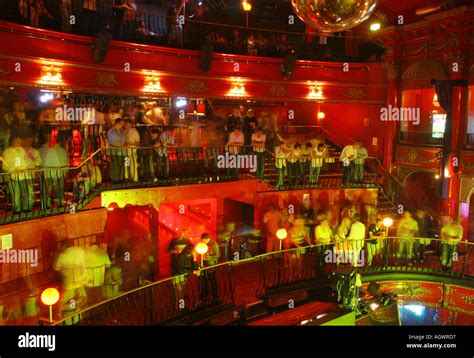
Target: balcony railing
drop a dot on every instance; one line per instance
(426, 138)
(155, 28)
(236, 283)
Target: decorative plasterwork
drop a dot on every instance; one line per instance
(277, 90)
(425, 70)
(196, 86)
(466, 189)
(106, 79)
(355, 93)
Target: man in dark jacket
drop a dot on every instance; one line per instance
(186, 262)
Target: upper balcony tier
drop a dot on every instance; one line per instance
(127, 64)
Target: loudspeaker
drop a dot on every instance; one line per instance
(102, 44)
(205, 60)
(288, 65)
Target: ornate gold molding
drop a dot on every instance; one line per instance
(356, 93)
(106, 79)
(277, 90)
(196, 86)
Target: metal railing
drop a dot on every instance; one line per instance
(235, 283)
(182, 31)
(421, 138)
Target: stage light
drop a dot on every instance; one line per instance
(387, 222)
(49, 297)
(46, 97)
(375, 26)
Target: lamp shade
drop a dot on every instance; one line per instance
(50, 296)
(281, 234)
(201, 248)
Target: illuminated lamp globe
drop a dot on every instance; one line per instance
(387, 222)
(247, 6)
(329, 16)
(321, 115)
(281, 234)
(201, 248)
(50, 296)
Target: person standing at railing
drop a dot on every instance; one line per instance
(96, 262)
(324, 237)
(234, 146)
(281, 154)
(423, 234)
(250, 123)
(359, 161)
(295, 167)
(116, 138)
(258, 141)
(374, 242)
(132, 141)
(316, 163)
(15, 162)
(348, 154)
(451, 234)
(33, 161)
(271, 219)
(356, 241)
(406, 231)
(298, 235)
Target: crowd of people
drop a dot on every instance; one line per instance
(163, 26)
(354, 230)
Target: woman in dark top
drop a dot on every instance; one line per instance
(186, 263)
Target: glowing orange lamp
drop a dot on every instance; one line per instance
(50, 297)
(201, 249)
(281, 235)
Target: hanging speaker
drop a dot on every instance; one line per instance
(288, 65)
(205, 59)
(102, 44)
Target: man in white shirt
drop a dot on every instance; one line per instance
(258, 140)
(132, 141)
(348, 154)
(356, 240)
(234, 144)
(359, 163)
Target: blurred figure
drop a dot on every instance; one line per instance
(116, 138)
(356, 240)
(271, 219)
(20, 188)
(359, 162)
(423, 233)
(211, 257)
(407, 229)
(348, 154)
(295, 167)
(258, 141)
(374, 242)
(53, 182)
(113, 279)
(281, 154)
(298, 234)
(96, 262)
(324, 236)
(132, 141)
(451, 234)
(186, 262)
(71, 264)
(316, 163)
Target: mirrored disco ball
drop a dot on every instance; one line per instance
(333, 15)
